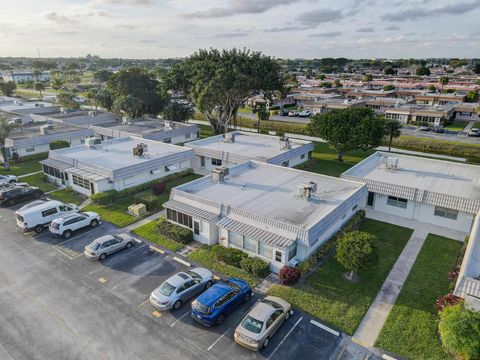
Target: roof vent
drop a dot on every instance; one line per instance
(391, 163)
(140, 150)
(218, 174)
(93, 141)
(229, 138)
(45, 129)
(284, 143)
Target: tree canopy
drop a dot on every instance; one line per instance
(422, 71)
(178, 111)
(392, 130)
(5, 128)
(218, 82)
(348, 129)
(355, 250)
(66, 99)
(7, 88)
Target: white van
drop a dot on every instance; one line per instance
(39, 216)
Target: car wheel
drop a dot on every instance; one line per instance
(266, 342)
(102, 256)
(220, 319)
(247, 298)
(208, 284)
(287, 315)
(177, 305)
(94, 223)
(129, 245)
(37, 195)
(38, 229)
(12, 182)
(11, 202)
(67, 234)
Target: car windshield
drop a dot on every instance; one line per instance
(94, 245)
(167, 289)
(202, 308)
(232, 285)
(118, 237)
(193, 274)
(252, 324)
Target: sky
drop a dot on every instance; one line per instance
(279, 28)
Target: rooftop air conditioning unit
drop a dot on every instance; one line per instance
(218, 174)
(306, 191)
(45, 129)
(284, 143)
(391, 163)
(93, 141)
(168, 124)
(140, 149)
(229, 137)
(92, 113)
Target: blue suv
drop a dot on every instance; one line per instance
(211, 307)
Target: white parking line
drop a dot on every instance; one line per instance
(285, 338)
(138, 241)
(76, 236)
(181, 261)
(388, 357)
(326, 328)
(118, 258)
(220, 338)
(180, 318)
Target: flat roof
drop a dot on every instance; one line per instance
(445, 177)
(254, 146)
(32, 130)
(271, 191)
(118, 153)
(144, 127)
(21, 105)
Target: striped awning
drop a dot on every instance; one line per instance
(255, 233)
(468, 286)
(60, 165)
(190, 210)
(85, 174)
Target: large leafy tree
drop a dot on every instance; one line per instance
(392, 130)
(102, 75)
(460, 331)
(136, 86)
(348, 129)
(7, 88)
(443, 81)
(66, 99)
(218, 82)
(104, 99)
(127, 105)
(178, 111)
(5, 128)
(355, 250)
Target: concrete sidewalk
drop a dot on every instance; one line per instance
(144, 221)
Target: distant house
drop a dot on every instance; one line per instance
(19, 77)
(438, 192)
(237, 146)
(439, 99)
(115, 164)
(409, 113)
(279, 214)
(25, 110)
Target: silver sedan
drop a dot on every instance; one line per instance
(176, 290)
(108, 244)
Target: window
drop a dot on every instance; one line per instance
(355, 207)
(371, 198)
(446, 213)
(235, 239)
(188, 136)
(285, 163)
(278, 256)
(397, 202)
(167, 140)
(82, 141)
(265, 250)
(216, 162)
(302, 156)
(79, 181)
(202, 161)
(179, 218)
(250, 244)
(292, 251)
(49, 212)
(196, 227)
(54, 172)
(30, 148)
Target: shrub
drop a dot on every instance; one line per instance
(460, 331)
(174, 232)
(39, 156)
(255, 266)
(446, 300)
(159, 188)
(105, 197)
(289, 275)
(229, 256)
(59, 144)
(355, 250)
(151, 201)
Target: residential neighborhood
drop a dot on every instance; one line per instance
(240, 180)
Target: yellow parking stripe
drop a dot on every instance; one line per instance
(216, 277)
(157, 249)
(157, 314)
(102, 280)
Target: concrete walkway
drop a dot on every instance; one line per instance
(267, 283)
(371, 325)
(25, 175)
(144, 221)
(469, 126)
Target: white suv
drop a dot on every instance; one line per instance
(66, 225)
(8, 179)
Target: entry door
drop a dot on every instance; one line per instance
(92, 188)
(196, 228)
(371, 199)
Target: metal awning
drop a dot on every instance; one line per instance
(85, 174)
(190, 210)
(255, 233)
(60, 165)
(468, 286)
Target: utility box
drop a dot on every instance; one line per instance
(137, 209)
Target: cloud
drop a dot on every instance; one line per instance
(128, 2)
(415, 13)
(287, 28)
(327, 34)
(74, 16)
(233, 34)
(236, 7)
(147, 41)
(56, 17)
(392, 27)
(366, 30)
(314, 18)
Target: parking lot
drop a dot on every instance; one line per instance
(57, 304)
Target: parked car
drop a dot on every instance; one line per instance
(305, 113)
(293, 113)
(211, 307)
(284, 112)
(5, 186)
(8, 179)
(438, 130)
(37, 215)
(108, 244)
(261, 322)
(66, 225)
(181, 287)
(425, 128)
(17, 195)
(474, 132)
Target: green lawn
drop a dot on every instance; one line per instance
(148, 232)
(327, 296)
(476, 125)
(457, 125)
(24, 167)
(117, 214)
(324, 160)
(39, 181)
(204, 257)
(411, 327)
(68, 196)
(205, 131)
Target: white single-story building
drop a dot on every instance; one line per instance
(25, 110)
(437, 192)
(279, 214)
(468, 282)
(19, 76)
(169, 132)
(35, 138)
(237, 147)
(115, 164)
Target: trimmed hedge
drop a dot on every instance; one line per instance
(229, 256)
(104, 197)
(255, 266)
(59, 144)
(174, 232)
(310, 263)
(151, 201)
(39, 156)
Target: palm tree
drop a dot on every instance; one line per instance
(5, 129)
(91, 95)
(392, 130)
(39, 87)
(443, 81)
(57, 83)
(36, 74)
